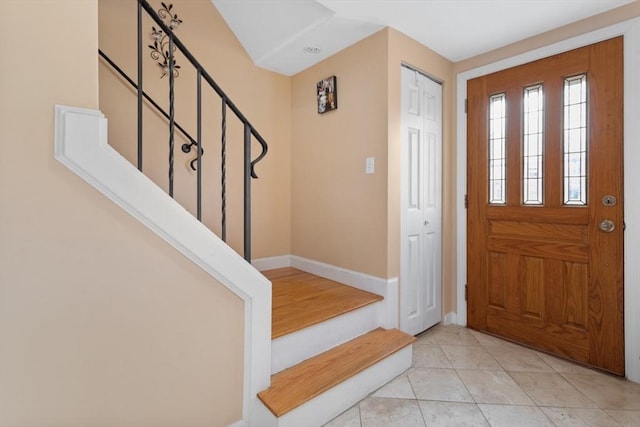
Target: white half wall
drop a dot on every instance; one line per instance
(81, 145)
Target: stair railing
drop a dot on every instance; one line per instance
(186, 148)
(174, 44)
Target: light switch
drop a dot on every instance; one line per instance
(369, 165)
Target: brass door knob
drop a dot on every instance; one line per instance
(607, 226)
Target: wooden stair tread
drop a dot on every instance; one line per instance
(301, 383)
(303, 299)
(284, 272)
(285, 292)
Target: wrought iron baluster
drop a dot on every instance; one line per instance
(140, 93)
(199, 148)
(170, 68)
(247, 192)
(186, 147)
(223, 178)
(171, 114)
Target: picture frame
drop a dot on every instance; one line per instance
(327, 94)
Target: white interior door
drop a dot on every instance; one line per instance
(421, 203)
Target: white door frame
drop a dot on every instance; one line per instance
(631, 31)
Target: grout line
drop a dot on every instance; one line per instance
(474, 400)
(424, 420)
(581, 392)
(522, 389)
(484, 415)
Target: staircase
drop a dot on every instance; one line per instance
(328, 349)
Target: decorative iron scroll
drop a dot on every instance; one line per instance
(162, 50)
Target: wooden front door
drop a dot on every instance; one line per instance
(545, 209)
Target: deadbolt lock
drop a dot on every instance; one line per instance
(609, 200)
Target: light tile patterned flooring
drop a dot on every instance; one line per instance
(462, 378)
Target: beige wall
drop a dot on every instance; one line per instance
(339, 214)
(342, 216)
(102, 323)
(262, 96)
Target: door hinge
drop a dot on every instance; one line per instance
(466, 105)
(466, 292)
(466, 201)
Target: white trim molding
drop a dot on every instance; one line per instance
(262, 264)
(450, 318)
(631, 31)
(81, 145)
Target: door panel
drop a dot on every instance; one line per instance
(411, 292)
(545, 274)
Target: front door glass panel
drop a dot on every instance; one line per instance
(497, 152)
(575, 140)
(533, 140)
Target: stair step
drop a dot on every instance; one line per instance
(291, 349)
(303, 299)
(301, 383)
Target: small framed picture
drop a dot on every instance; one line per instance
(327, 92)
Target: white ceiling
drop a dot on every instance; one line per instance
(275, 32)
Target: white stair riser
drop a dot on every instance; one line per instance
(293, 348)
(336, 400)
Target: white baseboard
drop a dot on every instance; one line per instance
(450, 318)
(262, 264)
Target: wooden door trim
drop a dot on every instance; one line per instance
(631, 31)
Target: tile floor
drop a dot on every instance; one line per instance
(465, 378)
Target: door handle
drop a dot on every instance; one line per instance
(607, 226)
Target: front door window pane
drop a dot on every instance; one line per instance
(497, 152)
(575, 140)
(532, 138)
